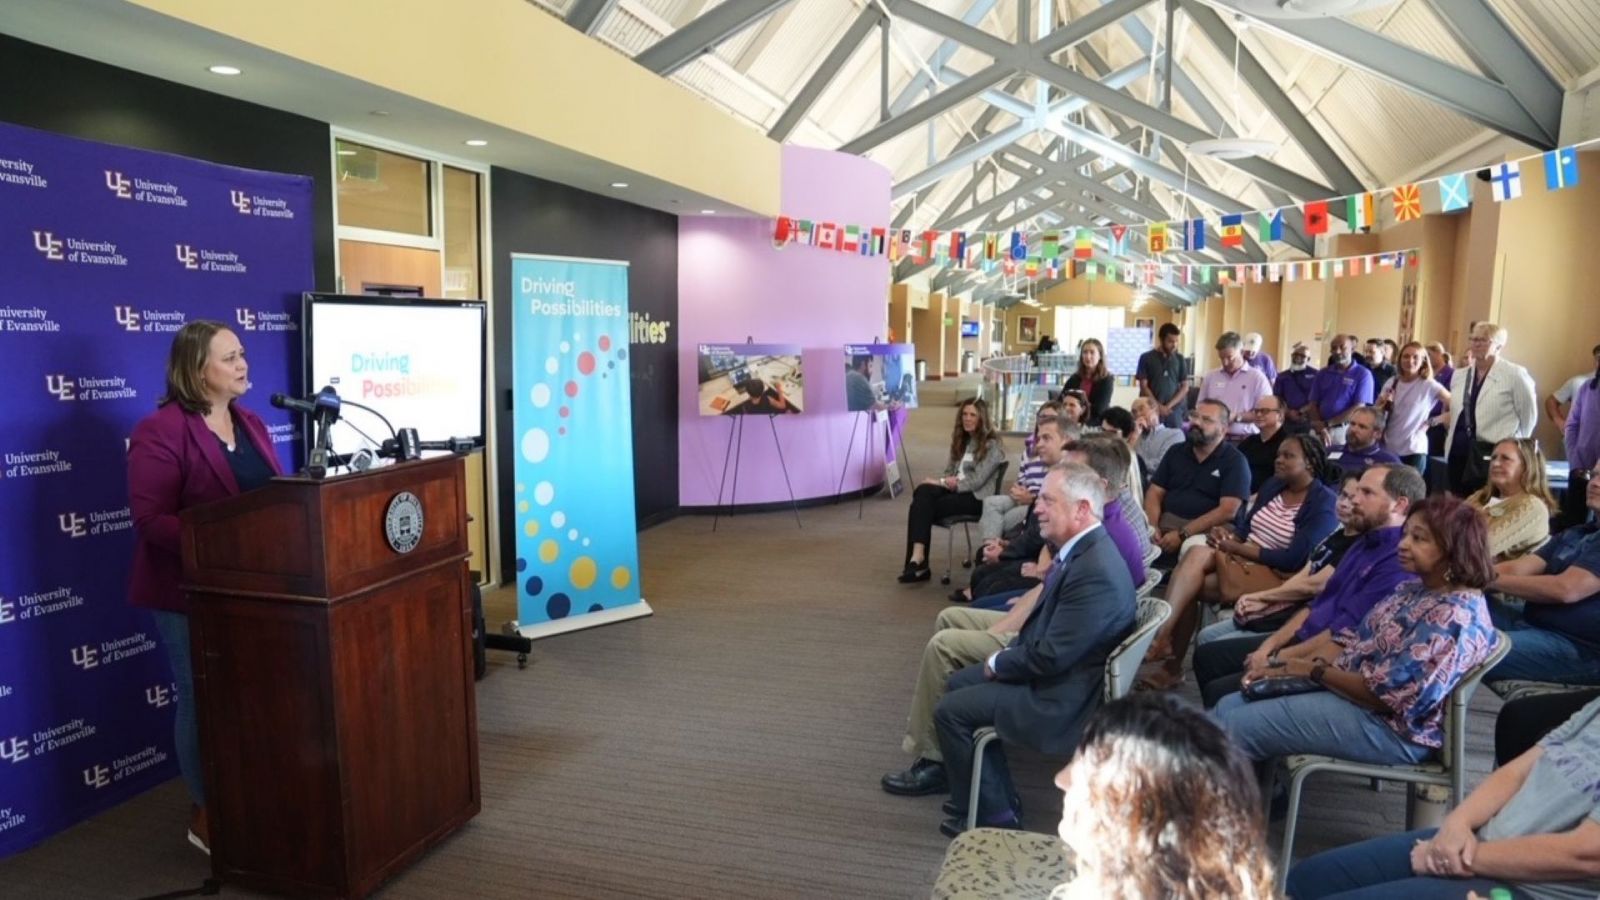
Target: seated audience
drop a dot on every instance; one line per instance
(1555, 636)
(1409, 401)
(1092, 380)
(1261, 449)
(1516, 500)
(1235, 384)
(1200, 484)
(1368, 571)
(1362, 447)
(1004, 512)
(1159, 805)
(1119, 422)
(1341, 388)
(1532, 827)
(1291, 514)
(1293, 388)
(1008, 563)
(1383, 698)
(968, 477)
(1074, 409)
(1151, 438)
(1040, 690)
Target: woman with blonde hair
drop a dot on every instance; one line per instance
(968, 477)
(1160, 804)
(1517, 500)
(1409, 400)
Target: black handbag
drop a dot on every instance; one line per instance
(1475, 469)
(1279, 686)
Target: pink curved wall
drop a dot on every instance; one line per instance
(732, 284)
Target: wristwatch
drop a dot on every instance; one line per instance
(1183, 533)
(1317, 672)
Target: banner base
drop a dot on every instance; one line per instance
(587, 620)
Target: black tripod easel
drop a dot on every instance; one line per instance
(735, 451)
(867, 444)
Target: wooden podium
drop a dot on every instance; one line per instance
(338, 722)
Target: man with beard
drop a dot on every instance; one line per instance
(1200, 483)
(1293, 387)
(1339, 390)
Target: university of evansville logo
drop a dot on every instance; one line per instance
(119, 184)
(128, 318)
(45, 242)
(96, 776)
(61, 386)
(245, 318)
(240, 201)
(14, 750)
(72, 524)
(187, 256)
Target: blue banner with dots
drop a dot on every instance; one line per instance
(577, 540)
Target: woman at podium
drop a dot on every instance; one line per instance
(198, 446)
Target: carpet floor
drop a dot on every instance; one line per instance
(730, 745)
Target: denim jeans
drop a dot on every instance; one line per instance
(1540, 655)
(174, 629)
(1320, 722)
(1380, 869)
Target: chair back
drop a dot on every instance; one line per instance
(1455, 724)
(1000, 475)
(1152, 580)
(1122, 665)
(1151, 555)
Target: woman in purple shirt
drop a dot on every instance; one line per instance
(1382, 700)
(1412, 400)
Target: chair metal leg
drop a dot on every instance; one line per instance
(949, 551)
(967, 563)
(1296, 781)
(982, 744)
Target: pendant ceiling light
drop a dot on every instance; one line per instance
(1221, 147)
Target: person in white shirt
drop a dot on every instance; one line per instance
(1559, 403)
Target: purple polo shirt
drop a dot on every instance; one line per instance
(1122, 536)
(1368, 572)
(1240, 390)
(1263, 361)
(1583, 427)
(1294, 388)
(1335, 391)
(1355, 461)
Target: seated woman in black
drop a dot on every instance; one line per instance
(975, 454)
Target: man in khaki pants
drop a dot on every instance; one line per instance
(962, 637)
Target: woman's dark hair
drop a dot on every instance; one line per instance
(1083, 404)
(981, 436)
(1099, 371)
(1165, 805)
(1120, 419)
(1462, 532)
(1315, 452)
(191, 350)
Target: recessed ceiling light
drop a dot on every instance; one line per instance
(619, 184)
(225, 70)
(378, 112)
(477, 142)
(348, 152)
(708, 212)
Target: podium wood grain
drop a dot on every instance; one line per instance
(338, 719)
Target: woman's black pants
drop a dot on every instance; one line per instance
(931, 503)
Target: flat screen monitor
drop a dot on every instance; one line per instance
(419, 362)
(969, 329)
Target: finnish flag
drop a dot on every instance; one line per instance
(1506, 179)
(1560, 168)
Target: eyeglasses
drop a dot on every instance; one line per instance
(1263, 410)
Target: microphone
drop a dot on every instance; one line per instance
(284, 401)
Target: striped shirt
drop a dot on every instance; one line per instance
(1032, 474)
(1272, 527)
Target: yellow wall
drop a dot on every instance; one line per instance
(510, 64)
(927, 332)
(1304, 318)
(954, 309)
(900, 313)
(1367, 306)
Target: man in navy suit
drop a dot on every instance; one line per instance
(1041, 689)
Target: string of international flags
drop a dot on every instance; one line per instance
(1070, 252)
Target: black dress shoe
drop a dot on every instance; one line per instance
(960, 596)
(953, 827)
(924, 777)
(913, 574)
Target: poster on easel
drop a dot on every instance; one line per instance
(577, 540)
(880, 377)
(751, 379)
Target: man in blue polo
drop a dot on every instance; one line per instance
(1293, 387)
(1556, 635)
(1361, 448)
(1338, 391)
(1200, 482)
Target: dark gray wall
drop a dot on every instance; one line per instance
(531, 215)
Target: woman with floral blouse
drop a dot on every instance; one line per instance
(1382, 700)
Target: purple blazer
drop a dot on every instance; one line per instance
(174, 462)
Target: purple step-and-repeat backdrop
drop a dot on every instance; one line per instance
(104, 253)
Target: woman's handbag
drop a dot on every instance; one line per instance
(1279, 686)
(1237, 576)
(1475, 469)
